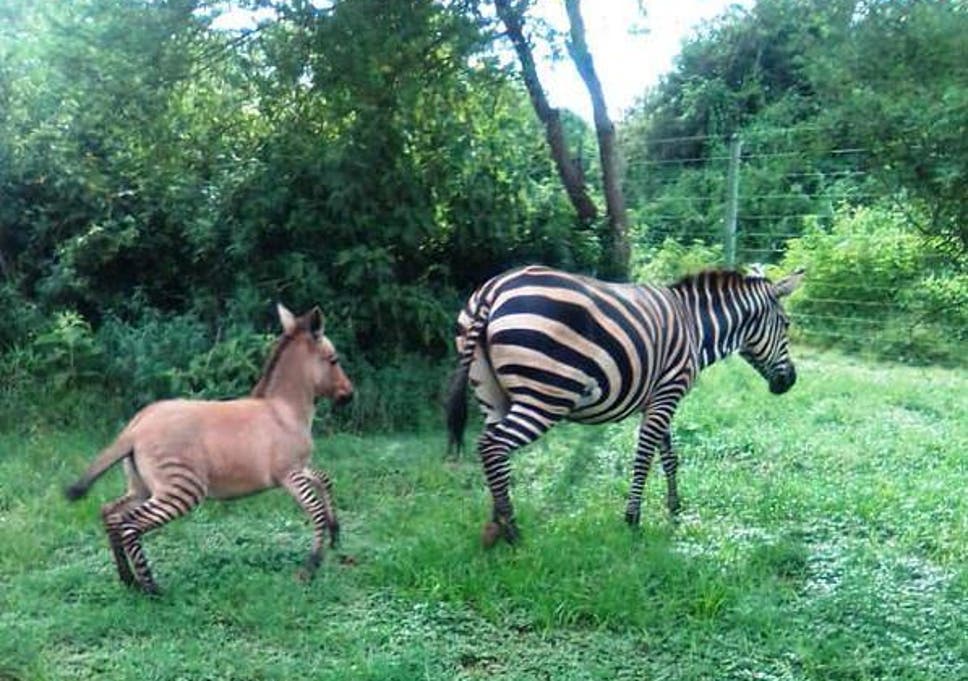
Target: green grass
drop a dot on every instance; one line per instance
(824, 536)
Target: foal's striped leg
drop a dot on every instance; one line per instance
(652, 431)
(111, 513)
(153, 513)
(301, 485)
(522, 425)
(324, 490)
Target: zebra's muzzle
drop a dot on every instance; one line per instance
(783, 380)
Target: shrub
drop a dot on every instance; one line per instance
(21, 318)
(228, 369)
(149, 356)
(403, 393)
(673, 260)
(875, 284)
(66, 353)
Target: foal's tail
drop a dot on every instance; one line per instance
(456, 401)
(119, 449)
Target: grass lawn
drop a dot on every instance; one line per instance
(824, 535)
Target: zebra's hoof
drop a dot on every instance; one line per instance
(633, 518)
(305, 575)
(511, 533)
(489, 534)
(151, 589)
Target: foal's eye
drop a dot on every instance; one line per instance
(334, 360)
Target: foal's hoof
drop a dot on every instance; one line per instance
(308, 570)
(489, 534)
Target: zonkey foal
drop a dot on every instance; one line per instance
(178, 452)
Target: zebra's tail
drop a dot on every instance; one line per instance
(456, 402)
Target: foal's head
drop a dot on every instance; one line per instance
(316, 353)
(767, 342)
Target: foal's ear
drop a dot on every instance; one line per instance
(317, 322)
(789, 284)
(286, 318)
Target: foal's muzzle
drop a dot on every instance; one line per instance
(343, 399)
(783, 380)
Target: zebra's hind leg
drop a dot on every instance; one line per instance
(520, 426)
(149, 515)
(669, 465)
(111, 513)
(301, 485)
(654, 427)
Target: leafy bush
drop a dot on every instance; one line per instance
(149, 355)
(21, 317)
(67, 354)
(873, 284)
(229, 369)
(105, 376)
(403, 393)
(673, 260)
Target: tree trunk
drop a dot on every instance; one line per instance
(569, 171)
(615, 263)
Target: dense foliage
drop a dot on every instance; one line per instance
(164, 181)
(851, 118)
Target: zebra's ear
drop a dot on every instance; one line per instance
(317, 323)
(286, 318)
(789, 284)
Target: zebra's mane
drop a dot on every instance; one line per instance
(715, 278)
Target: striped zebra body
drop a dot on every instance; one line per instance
(539, 346)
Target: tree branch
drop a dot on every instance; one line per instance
(617, 254)
(569, 172)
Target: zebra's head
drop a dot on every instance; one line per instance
(766, 344)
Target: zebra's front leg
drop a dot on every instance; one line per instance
(669, 465)
(301, 486)
(654, 427)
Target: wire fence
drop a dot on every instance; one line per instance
(787, 181)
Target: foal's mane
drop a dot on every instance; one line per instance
(270, 366)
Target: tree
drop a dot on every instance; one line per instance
(571, 175)
(801, 82)
(614, 262)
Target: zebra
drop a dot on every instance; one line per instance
(539, 345)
